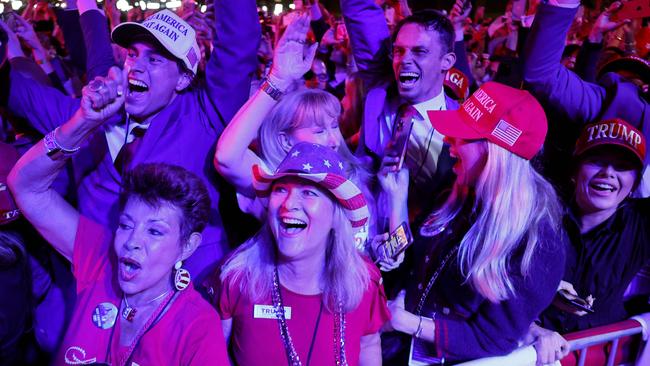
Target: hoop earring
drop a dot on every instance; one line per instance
(182, 277)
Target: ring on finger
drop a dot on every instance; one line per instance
(96, 85)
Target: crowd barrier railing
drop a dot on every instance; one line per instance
(622, 343)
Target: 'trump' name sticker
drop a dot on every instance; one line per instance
(268, 312)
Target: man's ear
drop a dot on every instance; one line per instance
(183, 81)
(447, 61)
(191, 244)
(285, 141)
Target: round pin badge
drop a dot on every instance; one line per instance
(104, 315)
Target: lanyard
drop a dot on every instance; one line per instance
(153, 319)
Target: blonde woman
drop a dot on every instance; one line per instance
(277, 118)
(491, 258)
(298, 292)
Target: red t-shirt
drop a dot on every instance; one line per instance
(255, 338)
(189, 333)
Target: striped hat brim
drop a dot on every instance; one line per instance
(347, 193)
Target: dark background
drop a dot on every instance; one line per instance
(493, 6)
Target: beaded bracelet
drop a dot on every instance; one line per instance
(53, 146)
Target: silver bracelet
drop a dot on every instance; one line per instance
(418, 332)
(54, 148)
(65, 151)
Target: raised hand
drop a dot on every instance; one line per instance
(103, 96)
(605, 24)
(458, 15)
(292, 57)
(13, 44)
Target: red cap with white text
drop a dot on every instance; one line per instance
(509, 117)
(612, 132)
(457, 83)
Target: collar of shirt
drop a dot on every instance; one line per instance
(115, 136)
(437, 103)
(613, 223)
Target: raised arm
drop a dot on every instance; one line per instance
(369, 39)
(44, 107)
(234, 58)
(31, 179)
(233, 159)
(457, 16)
(549, 81)
(99, 53)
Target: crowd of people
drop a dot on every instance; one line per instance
(218, 184)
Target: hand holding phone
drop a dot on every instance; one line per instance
(575, 302)
(399, 140)
(400, 239)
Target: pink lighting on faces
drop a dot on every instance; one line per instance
(471, 155)
(300, 216)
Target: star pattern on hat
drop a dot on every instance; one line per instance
(327, 163)
(307, 167)
(341, 165)
(295, 154)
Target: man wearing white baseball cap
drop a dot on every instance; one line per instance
(150, 111)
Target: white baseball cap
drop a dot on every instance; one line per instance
(173, 33)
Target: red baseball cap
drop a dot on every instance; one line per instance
(612, 132)
(509, 117)
(457, 83)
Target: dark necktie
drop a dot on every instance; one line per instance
(125, 156)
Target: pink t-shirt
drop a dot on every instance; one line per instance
(255, 337)
(189, 333)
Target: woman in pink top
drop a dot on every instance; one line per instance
(298, 292)
(135, 303)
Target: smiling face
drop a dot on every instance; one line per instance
(604, 178)
(325, 134)
(153, 80)
(471, 155)
(147, 244)
(300, 216)
(419, 63)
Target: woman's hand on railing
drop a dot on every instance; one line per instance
(549, 345)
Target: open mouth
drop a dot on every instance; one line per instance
(137, 86)
(129, 268)
(408, 79)
(292, 226)
(602, 187)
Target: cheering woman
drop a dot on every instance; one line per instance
(299, 292)
(135, 303)
(491, 258)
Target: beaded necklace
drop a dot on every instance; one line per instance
(434, 277)
(292, 355)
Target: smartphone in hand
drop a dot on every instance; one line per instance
(574, 301)
(399, 141)
(400, 239)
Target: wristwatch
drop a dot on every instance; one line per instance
(53, 149)
(270, 89)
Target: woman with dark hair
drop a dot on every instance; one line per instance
(135, 302)
(299, 291)
(609, 232)
(489, 260)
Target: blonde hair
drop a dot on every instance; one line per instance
(346, 275)
(301, 108)
(513, 204)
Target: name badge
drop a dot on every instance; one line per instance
(268, 312)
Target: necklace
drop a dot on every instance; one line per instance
(292, 355)
(129, 311)
(434, 277)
